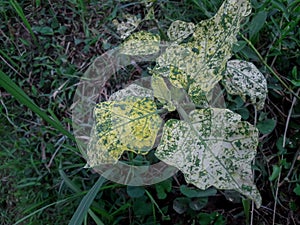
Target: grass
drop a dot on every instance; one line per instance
(45, 46)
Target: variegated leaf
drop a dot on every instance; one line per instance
(141, 43)
(204, 58)
(127, 125)
(212, 148)
(244, 79)
(128, 25)
(179, 30)
(132, 90)
(166, 92)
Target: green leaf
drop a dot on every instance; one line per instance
(128, 125)
(266, 126)
(198, 203)
(44, 30)
(275, 173)
(194, 193)
(163, 188)
(244, 79)
(21, 96)
(297, 189)
(212, 147)
(141, 43)
(135, 191)
(257, 23)
(181, 204)
(85, 203)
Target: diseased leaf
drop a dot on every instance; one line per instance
(128, 125)
(204, 58)
(213, 148)
(244, 79)
(179, 30)
(128, 25)
(141, 43)
(131, 90)
(162, 92)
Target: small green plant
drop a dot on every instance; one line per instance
(212, 146)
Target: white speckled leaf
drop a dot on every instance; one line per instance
(244, 79)
(214, 148)
(204, 58)
(141, 43)
(128, 25)
(128, 125)
(131, 90)
(179, 30)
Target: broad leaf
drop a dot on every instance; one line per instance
(244, 79)
(131, 90)
(162, 92)
(179, 30)
(128, 125)
(204, 58)
(167, 93)
(212, 148)
(141, 43)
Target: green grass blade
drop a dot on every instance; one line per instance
(21, 96)
(45, 207)
(21, 14)
(86, 202)
(76, 189)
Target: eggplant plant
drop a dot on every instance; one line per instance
(212, 146)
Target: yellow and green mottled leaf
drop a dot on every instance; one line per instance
(128, 25)
(166, 92)
(204, 58)
(212, 148)
(141, 43)
(162, 92)
(179, 30)
(244, 79)
(132, 90)
(127, 125)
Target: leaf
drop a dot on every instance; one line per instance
(257, 23)
(198, 203)
(192, 193)
(297, 190)
(168, 93)
(126, 27)
(86, 202)
(204, 58)
(128, 125)
(23, 98)
(181, 205)
(162, 92)
(275, 173)
(212, 148)
(179, 30)
(140, 43)
(163, 188)
(131, 90)
(135, 191)
(266, 126)
(244, 79)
